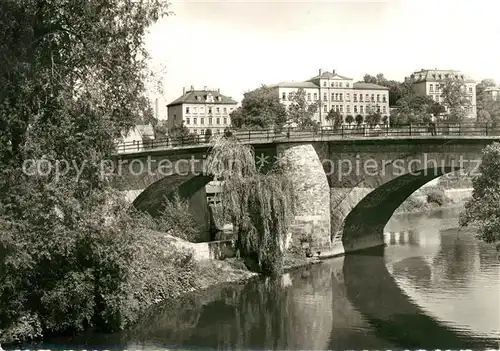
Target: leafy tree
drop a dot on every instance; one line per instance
(161, 131)
(208, 134)
(480, 95)
(300, 111)
(181, 134)
(373, 118)
(335, 118)
(260, 108)
(483, 116)
(359, 119)
(71, 81)
(456, 99)
(349, 119)
(397, 90)
(482, 211)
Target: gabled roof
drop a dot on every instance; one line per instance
(368, 86)
(439, 75)
(492, 89)
(293, 85)
(200, 97)
(329, 75)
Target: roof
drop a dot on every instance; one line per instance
(438, 75)
(329, 75)
(146, 131)
(293, 85)
(492, 89)
(201, 97)
(368, 86)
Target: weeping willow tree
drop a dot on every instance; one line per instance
(259, 205)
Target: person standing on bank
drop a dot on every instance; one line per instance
(433, 125)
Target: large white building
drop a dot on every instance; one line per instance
(200, 110)
(492, 93)
(330, 90)
(428, 82)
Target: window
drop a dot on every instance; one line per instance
(202, 121)
(308, 96)
(384, 98)
(194, 109)
(209, 110)
(333, 96)
(217, 109)
(331, 85)
(202, 109)
(290, 96)
(217, 120)
(348, 108)
(341, 108)
(378, 97)
(324, 84)
(336, 97)
(367, 97)
(340, 85)
(470, 90)
(431, 87)
(336, 84)
(325, 97)
(187, 120)
(283, 96)
(225, 120)
(325, 108)
(210, 121)
(373, 97)
(347, 85)
(360, 97)
(187, 109)
(341, 98)
(231, 109)
(347, 97)
(225, 110)
(378, 109)
(384, 109)
(315, 96)
(195, 120)
(337, 108)
(175, 116)
(202, 132)
(355, 96)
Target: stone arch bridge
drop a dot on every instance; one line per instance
(346, 189)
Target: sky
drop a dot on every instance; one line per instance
(238, 45)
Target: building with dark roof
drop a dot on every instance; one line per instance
(428, 82)
(331, 90)
(492, 93)
(200, 110)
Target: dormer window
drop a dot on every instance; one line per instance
(324, 84)
(219, 98)
(197, 98)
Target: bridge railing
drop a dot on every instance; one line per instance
(318, 133)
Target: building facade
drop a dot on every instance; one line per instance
(138, 138)
(428, 82)
(333, 91)
(492, 93)
(200, 110)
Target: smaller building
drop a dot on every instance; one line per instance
(200, 110)
(136, 139)
(428, 82)
(492, 93)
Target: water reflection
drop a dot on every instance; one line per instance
(404, 295)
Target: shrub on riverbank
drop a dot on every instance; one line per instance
(100, 274)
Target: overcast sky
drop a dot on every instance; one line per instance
(238, 45)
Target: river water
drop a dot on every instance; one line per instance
(432, 286)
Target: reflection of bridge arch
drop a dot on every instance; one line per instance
(376, 295)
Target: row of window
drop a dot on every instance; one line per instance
(336, 84)
(201, 131)
(438, 88)
(340, 97)
(210, 120)
(362, 109)
(209, 109)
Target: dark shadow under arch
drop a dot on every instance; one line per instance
(151, 200)
(363, 227)
(376, 295)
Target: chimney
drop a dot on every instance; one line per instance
(320, 71)
(333, 71)
(218, 90)
(157, 108)
(205, 88)
(192, 88)
(183, 90)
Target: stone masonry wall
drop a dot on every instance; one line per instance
(312, 194)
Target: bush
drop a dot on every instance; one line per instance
(177, 218)
(438, 197)
(412, 204)
(359, 119)
(100, 273)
